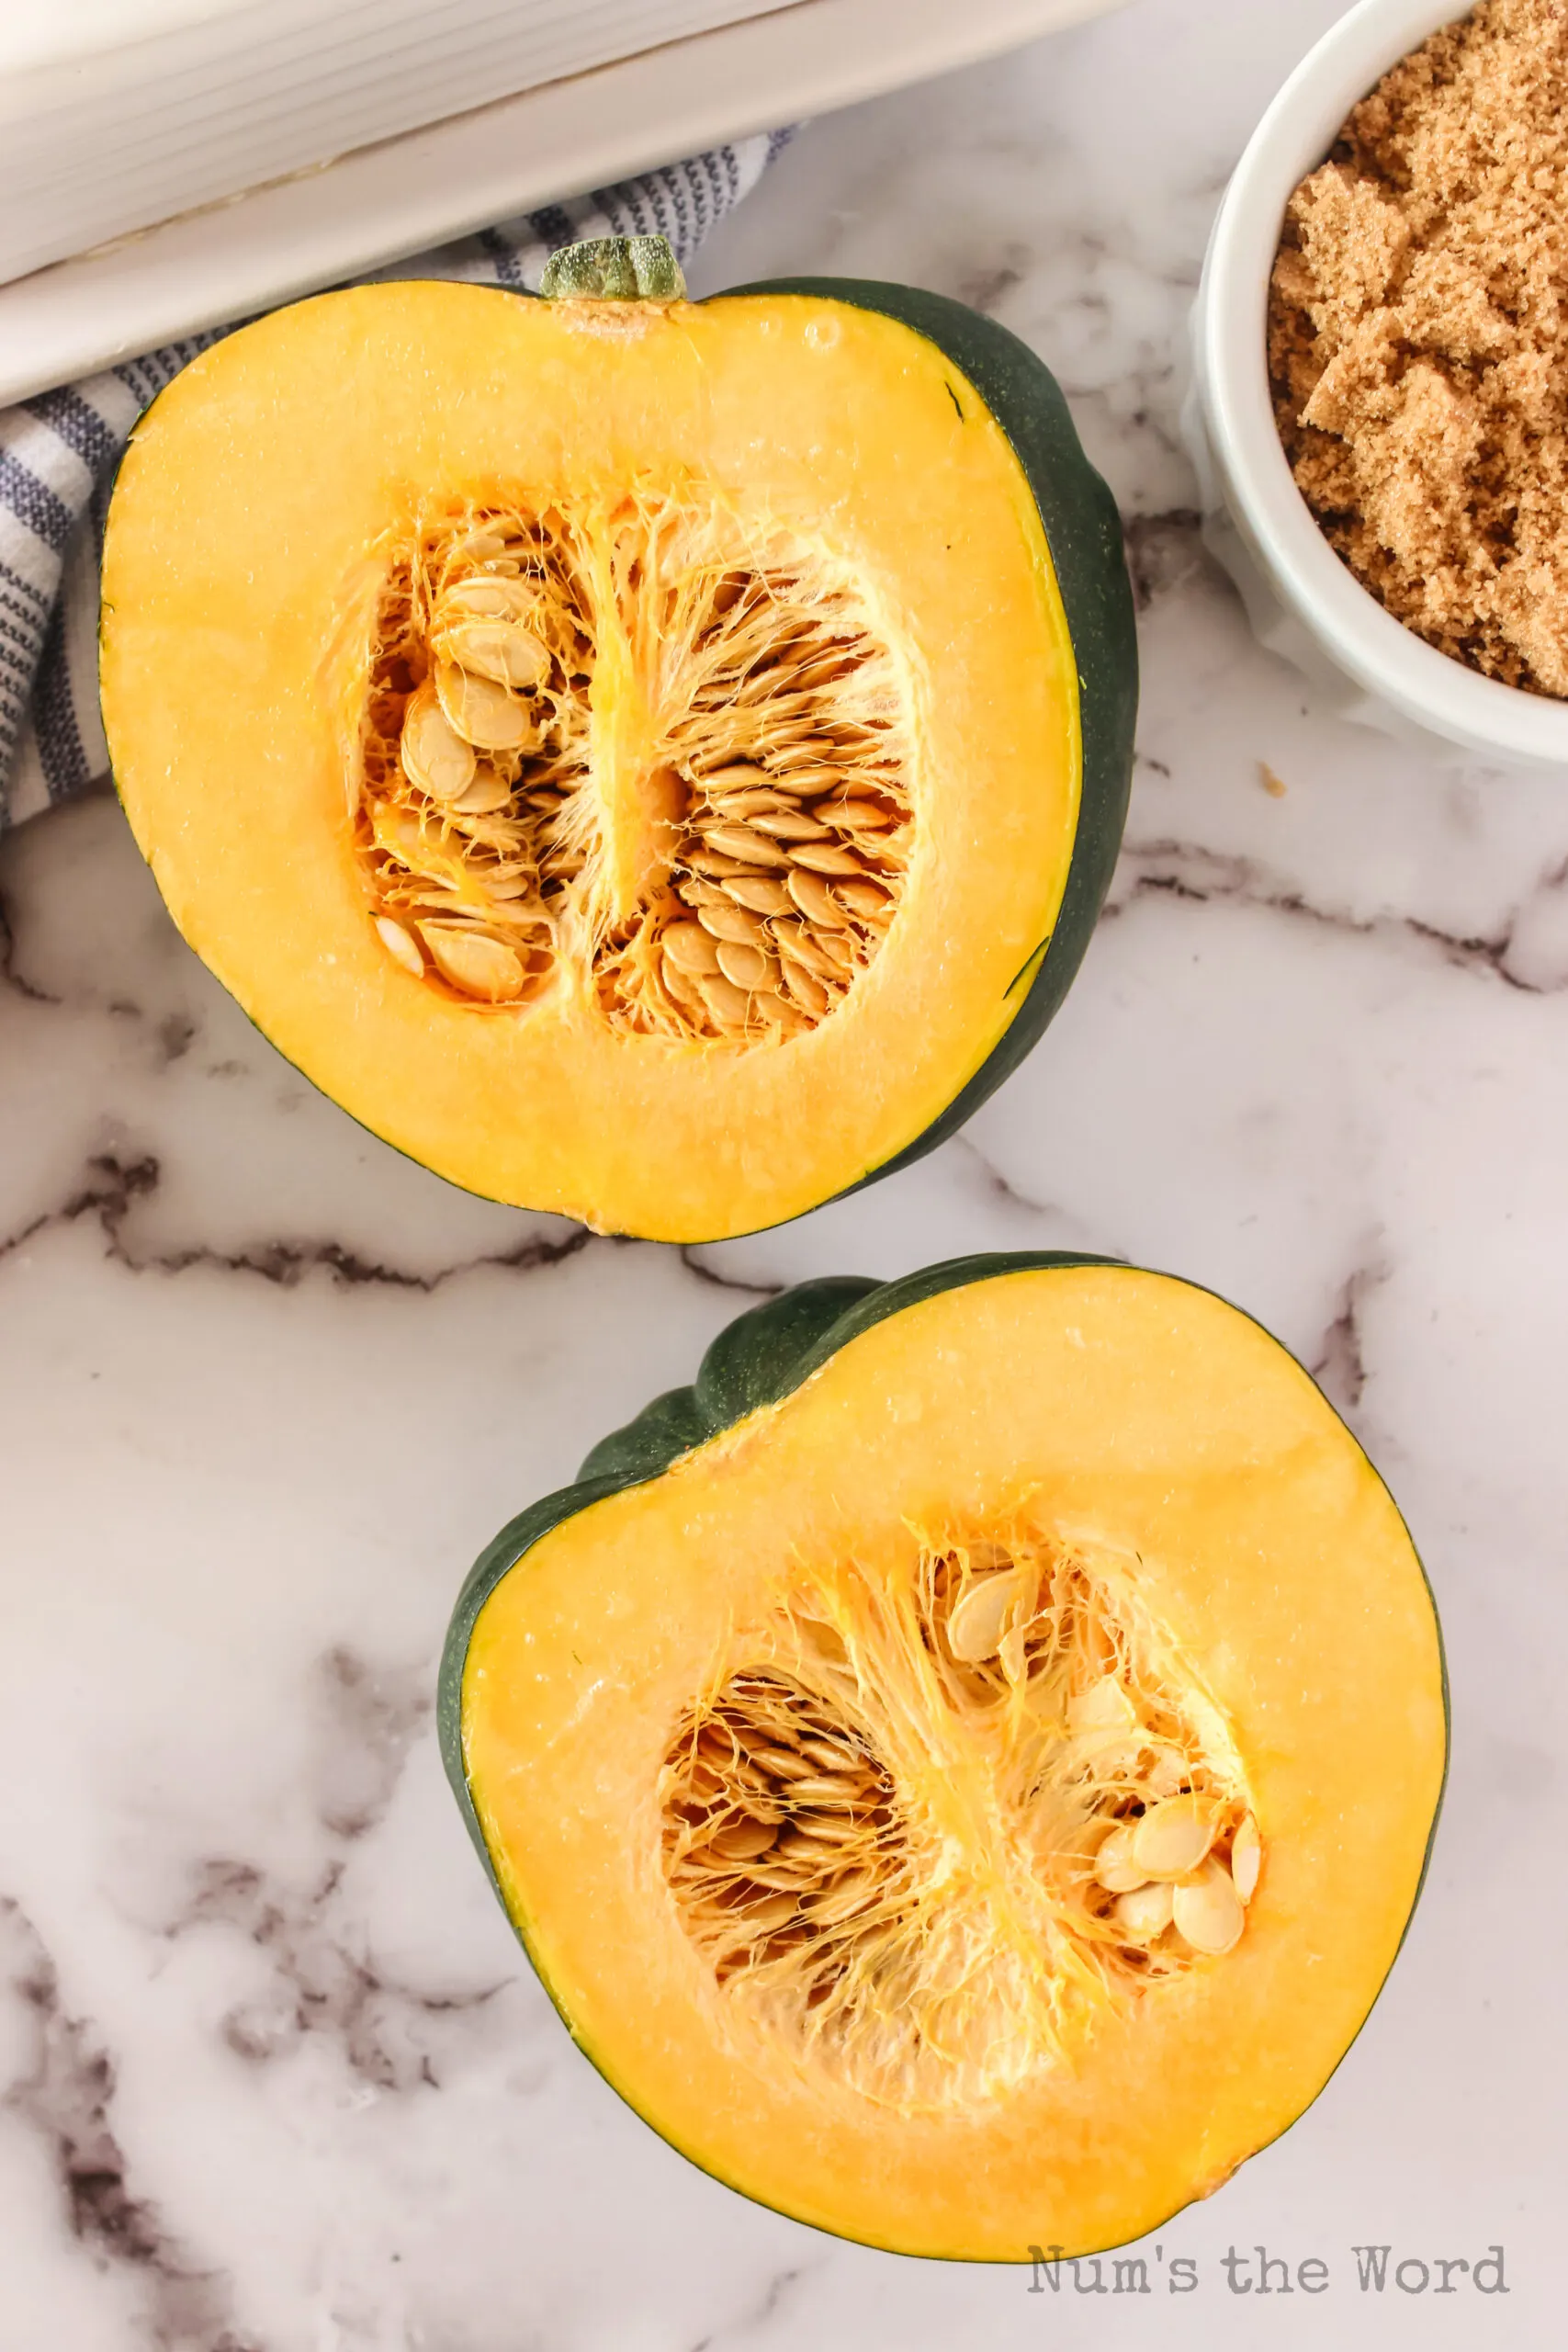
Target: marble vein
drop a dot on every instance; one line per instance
(65, 2094)
(1204, 876)
(1341, 1366)
(690, 1257)
(318, 1983)
(10, 976)
(110, 1188)
(757, 2322)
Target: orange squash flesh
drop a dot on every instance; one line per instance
(1128, 1407)
(251, 492)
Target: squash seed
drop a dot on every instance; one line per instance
(497, 650)
(975, 1627)
(689, 948)
(843, 1899)
(1173, 1837)
(741, 841)
(807, 948)
(1145, 1912)
(401, 943)
(507, 881)
(783, 1018)
(790, 825)
(759, 892)
(1208, 1910)
(1114, 1866)
(488, 792)
(488, 599)
(744, 1841)
(865, 898)
(858, 816)
(784, 1763)
(798, 1845)
(435, 755)
(739, 776)
(1247, 1858)
(776, 1869)
(703, 860)
(482, 712)
(479, 545)
(827, 1828)
(827, 858)
(726, 920)
(806, 988)
(746, 966)
(480, 967)
(681, 986)
(814, 898)
(724, 1000)
(743, 807)
(827, 1788)
(772, 1912)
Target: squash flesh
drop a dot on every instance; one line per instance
(258, 484)
(1174, 1429)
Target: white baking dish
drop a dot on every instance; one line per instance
(384, 202)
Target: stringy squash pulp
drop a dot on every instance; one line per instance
(973, 1801)
(629, 753)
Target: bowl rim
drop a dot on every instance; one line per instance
(1429, 689)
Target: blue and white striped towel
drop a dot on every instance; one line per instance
(58, 455)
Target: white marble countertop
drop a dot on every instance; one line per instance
(273, 2076)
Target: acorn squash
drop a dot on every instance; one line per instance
(963, 1769)
(652, 760)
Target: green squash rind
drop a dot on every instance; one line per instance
(762, 1357)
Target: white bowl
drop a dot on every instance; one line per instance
(1302, 601)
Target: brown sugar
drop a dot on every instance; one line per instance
(1419, 342)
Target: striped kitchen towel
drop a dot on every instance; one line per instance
(58, 455)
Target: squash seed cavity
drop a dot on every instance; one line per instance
(924, 1828)
(644, 747)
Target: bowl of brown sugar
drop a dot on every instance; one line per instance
(1380, 405)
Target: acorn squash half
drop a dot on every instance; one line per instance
(963, 1769)
(652, 760)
